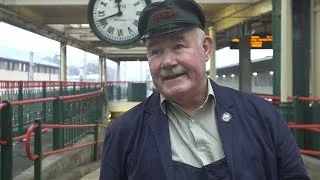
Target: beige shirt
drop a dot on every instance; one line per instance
(195, 139)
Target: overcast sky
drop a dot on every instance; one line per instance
(20, 39)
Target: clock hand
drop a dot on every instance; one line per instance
(119, 7)
(116, 14)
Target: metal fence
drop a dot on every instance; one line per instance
(25, 90)
(71, 110)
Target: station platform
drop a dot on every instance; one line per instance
(40, 93)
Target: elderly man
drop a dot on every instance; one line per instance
(192, 128)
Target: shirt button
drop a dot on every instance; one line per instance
(193, 121)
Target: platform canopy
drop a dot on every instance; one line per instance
(66, 21)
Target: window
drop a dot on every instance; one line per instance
(24, 68)
(2, 64)
(10, 66)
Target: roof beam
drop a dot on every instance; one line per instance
(46, 31)
(44, 2)
(239, 13)
(71, 30)
(225, 1)
(88, 37)
(112, 51)
(85, 2)
(82, 19)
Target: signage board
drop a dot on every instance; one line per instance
(256, 41)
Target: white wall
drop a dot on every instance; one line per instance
(23, 76)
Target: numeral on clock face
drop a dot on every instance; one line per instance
(115, 27)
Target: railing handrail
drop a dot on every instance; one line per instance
(310, 127)
(9, 84)
(302, 98)
(51, 99)
(95, 98)
(30, 132)
(76, 97)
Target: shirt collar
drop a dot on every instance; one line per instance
(210, 92)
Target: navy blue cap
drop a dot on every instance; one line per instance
(169, 16)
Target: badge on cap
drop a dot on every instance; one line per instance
(226, 117)
(163, 15)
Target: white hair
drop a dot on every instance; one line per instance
(201, 34)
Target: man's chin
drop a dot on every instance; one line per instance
(174, 91)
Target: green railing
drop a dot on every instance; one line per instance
(301, 111)
(84, 111)
(24, 90)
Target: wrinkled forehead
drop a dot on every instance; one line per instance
(172, 37)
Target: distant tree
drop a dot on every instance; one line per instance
(73, 70)
(55, 59)
(92, 68)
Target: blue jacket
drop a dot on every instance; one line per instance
(257, 142)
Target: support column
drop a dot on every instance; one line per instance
(118, 71)
(301, 47)
(245, 60)
(119, 85)
(315, 84)
(31, 72)
(276, 45)
(105, 69)
(101, 68)
(63, 61)
(286, 49)
(213, 71)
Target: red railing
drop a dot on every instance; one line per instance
(5, 84)
(309, 127)
(78, 97)
(52, 126)
(2, 143)
(125, 82)
(278, 98)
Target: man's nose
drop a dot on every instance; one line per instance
(169, 59)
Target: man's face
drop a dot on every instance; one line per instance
(178, 62)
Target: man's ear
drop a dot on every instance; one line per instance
(207, 45)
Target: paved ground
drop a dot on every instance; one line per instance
(20, 160)
(92, 176)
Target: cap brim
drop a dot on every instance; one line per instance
(146, 36)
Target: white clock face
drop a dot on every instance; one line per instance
(117, 20)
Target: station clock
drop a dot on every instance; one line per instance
(116, 21)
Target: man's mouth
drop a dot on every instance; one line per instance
(172, 76)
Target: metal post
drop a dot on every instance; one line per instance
(44, 104)
(63, 61)
(57, 119)
(286, 49)
(95, 147)
(61, 91)
(301, 46)
(276, 45)
(6, 135)
(299, 107)
(213, 71)
(38, 149)
(101, 68)
(245, 73)
(20, 110)
(74, 88)
(315, 49)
